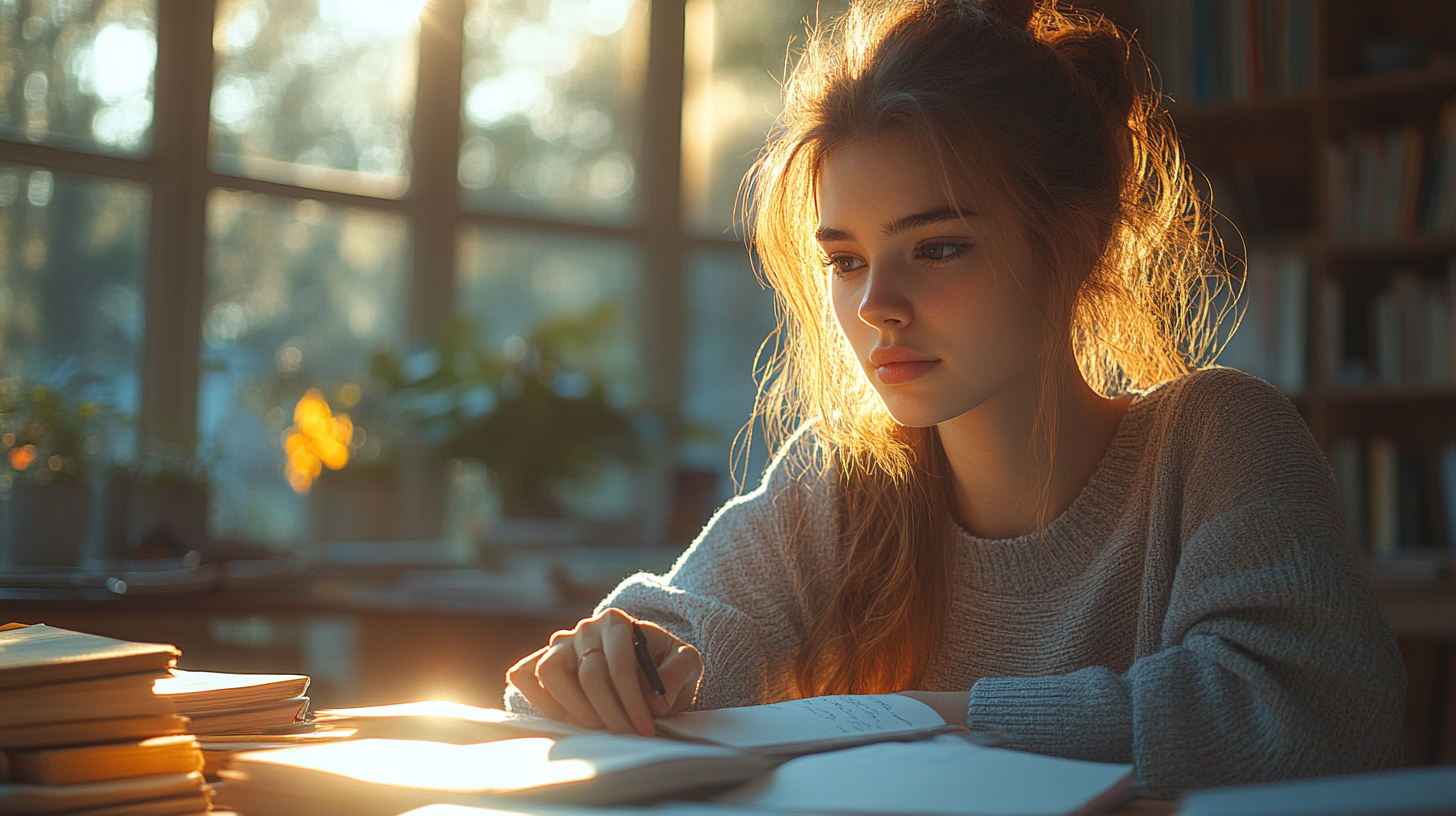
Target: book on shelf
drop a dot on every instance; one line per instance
(1377, 183)
(1399, 332)
(1209, 51)
(1399, 502)
(1270, 338)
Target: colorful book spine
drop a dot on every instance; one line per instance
(1398, 501)
(1211, 51)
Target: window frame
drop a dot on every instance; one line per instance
(177, 172)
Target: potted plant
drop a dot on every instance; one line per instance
(52, 443)
(359, 502)
(534, 411)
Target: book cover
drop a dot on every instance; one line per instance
(198, 691)
(35, 654)
(178, 754)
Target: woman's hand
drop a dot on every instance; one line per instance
(590, 675)
(953, 706)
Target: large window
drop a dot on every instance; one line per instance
(209, 210)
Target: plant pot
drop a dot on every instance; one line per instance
(46, 525)
(354, 507)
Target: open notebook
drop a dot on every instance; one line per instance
(778, 729)
(385, 777)
(806, 755)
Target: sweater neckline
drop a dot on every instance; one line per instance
(1073, 539)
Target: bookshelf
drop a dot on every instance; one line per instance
(1327, 133)
(1345, 163)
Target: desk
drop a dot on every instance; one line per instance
(361, 647)
(364, 645)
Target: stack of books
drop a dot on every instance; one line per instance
(82, 731)
(218, 703)
(233, 712)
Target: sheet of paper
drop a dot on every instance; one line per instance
(806, 720)
(944, 775)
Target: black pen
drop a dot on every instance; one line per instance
(644, 659)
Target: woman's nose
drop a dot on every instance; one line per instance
(884, 304)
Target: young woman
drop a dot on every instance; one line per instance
(1016, 496)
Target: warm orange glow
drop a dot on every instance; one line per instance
(20, 458)
(318, 439)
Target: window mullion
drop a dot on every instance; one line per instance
(433, 201)
(433, 204)
(177, 247)
(663, 299)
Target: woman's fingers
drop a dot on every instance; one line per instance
(627, 676)
(556, 671)
(591, 676)
(594, 674)
(523, 677)
(678, 664)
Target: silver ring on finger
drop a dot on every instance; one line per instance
(583, 656)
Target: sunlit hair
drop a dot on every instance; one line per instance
(1048, 112)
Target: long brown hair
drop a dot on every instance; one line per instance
(1054, 112)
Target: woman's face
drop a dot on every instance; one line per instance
(940, 306)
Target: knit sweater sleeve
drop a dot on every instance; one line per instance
(737, 592)
(1273, 660)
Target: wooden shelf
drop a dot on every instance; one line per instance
(1381, 87)
(1392, 393)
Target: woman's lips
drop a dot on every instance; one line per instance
(897, 373)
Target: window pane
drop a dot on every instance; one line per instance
(512, 281)
(730, 316)
(734, 59)
(298, 295)
(72, 263)
(550, 106)
(318, 93)
(79, 74)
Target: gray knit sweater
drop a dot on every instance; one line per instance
(1198, 611)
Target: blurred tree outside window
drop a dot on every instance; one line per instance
(318, 94)
(550, 106)
(72, 262)
(736, 56)
(78, 73)
(730, 319)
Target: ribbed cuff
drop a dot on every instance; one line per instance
(1083, 715)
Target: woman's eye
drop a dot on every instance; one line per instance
(842, 265)
(940, 250)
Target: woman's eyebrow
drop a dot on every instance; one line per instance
(925, 218)
(935, 215)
